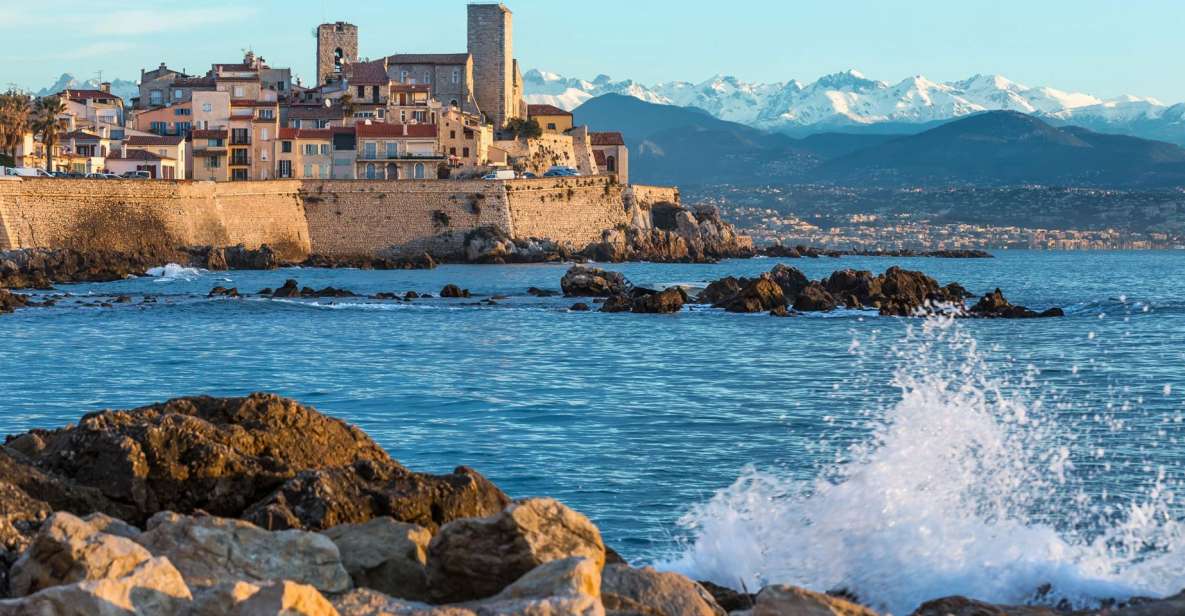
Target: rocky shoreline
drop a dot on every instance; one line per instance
(260, 505)
(813, 252)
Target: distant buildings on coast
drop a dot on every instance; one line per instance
(402, 116)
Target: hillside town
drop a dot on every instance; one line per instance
(403, 116)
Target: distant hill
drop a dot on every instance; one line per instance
(684, 145)
(119, 87)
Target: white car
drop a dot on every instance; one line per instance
(500, 174)
(30, 172)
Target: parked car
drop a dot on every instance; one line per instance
(136, 175)
(527, 175)
(560, 171)
(499, 174)
(31, 172)
(101, 176)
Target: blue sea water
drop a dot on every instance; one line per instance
(910, 459)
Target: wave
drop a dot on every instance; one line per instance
(965, 487)
(173, 273)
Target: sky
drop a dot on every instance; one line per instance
(1102, 47)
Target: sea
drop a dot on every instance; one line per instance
(898, 459)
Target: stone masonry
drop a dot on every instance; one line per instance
(491, 43)
(331, 38)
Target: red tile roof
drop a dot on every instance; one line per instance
(546, 110)
(367, 73)
(85, 94)
(213, 133)
(149, 140)
(194, 82)
(136, 155)
(613, 138)
(305, 133)
(599, 156)
(396, 130)
(315, 112)
(246, 102)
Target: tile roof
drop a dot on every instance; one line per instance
(396, 130)
(315, 112)
(136, 155)
(599, 156)
(87, 94)
(143, 140)
(80, 134)
(194, 82)
(428, 58)
(305, 133)
(213, 133)
(367, 73)
(546, 110)
(612, 138)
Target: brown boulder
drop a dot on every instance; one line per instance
(814, 298)
(617, 303)
(994, 305)
(20, 517)
(386, 556)
(962, 606)
(10, 301)
(758, 295)
(666, 301)
(720, 291)
(794, 601)
(790, 279)
(856, 288)
(627, 591)
(453, 291)
(581, 281)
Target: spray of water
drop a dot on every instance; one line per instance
(965, 487)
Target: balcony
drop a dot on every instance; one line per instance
(240, 161)
(241, 140)
(383, 156)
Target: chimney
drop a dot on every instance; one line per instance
(105, 87)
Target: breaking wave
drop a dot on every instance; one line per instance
(965, 486)
(173, 272)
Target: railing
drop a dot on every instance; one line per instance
(240, 140)
(240, 161)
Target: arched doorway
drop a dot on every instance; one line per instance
(419, 171)
(611, 164)
(392, 171)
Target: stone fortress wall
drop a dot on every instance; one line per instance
(300, 217)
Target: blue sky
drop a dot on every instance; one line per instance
(1103, 47)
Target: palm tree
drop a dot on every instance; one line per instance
(14, 121)
(47, 124)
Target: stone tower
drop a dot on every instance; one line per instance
(337, 45)
(491, 43)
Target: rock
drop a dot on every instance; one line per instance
(40, 268)
(758, 295)
(779, 311)
(854, 288)
(324, 498)
(278, 598)
(720, 291)
(728, 598)
(67, 550)
(112, 526)
(209, 550)
(581, 281)
(908, 293)
(790, 279)
(814, 298)
(383, 261)
(667, 301)
(793, 601)
(288, 290)
(11, 301)
(579, 307)
(385, 555)
(20, 517)
(453, 291)
(58, 493)
(330, 292)
(962, 606)
(242, 258)
(218, 455)
(994, 305)
(625, 590)
(223, 292)
(565, 587)
(537, 292)
(618, 303)
(780, 251)
(478, 557)
(153, 588)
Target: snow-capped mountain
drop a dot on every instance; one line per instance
(119, 87)
(849, 99)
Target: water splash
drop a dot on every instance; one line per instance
(965, 486)
(173, 272)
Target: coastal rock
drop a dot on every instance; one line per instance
(627, 591)
(962, 606)
(758, 295)
(478, 557)
(277, 598)
(565, 587)
(537, 292)
(381, 261)
(790, 279)
(581, 281)
(218, 455)
(153, 588)
(67, 550)
(10, 301)
(814, 298)
(58, 493)
(20, 517)
(289, 289)
(580, 307)
(667, 301)
(385, 555)
(223, 292)
(906, 293)
(720, 291)
(994, 305)
(40, 268)
(323, 498)
(793, 601)
(618, 303)
(453, 291)
(780, 252)
(209, 550)
(728, 598)
(854, 288)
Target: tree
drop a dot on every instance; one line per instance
(524, 129)
(48, 125)
(14, 122)
(347, 100)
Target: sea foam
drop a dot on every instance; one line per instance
(965, 487)
(173, 272)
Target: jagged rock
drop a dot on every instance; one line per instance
(11, 301)
(153, 588)
(757, 295)
(40, 268)
(626, 591)
(324, 498)
(994, 305)
(793, 601)
(781, 252)
(537, 292)
(242, 258)
(728, 598)
(385, 555)
(214, 454)
(581, 281)
(814, 298)
(962, 606)
(720, 291)
(906, 293)
(275, 598)
(383, 261)
(478, 557)
(618, 303)
(580, 307)
(453, 291)
(790, 279)
(58, 493)
(67, 550)
(290, 289)
(565, 587)
(20, 517)
(223, 292)
(209, 550)
(112, 526)
(666, 301)
(779, 311)
(854, 288)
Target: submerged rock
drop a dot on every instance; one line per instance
(453, 291)
(994, 305)
(11, 301)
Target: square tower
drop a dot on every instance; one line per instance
(491, 43)
(337, 45)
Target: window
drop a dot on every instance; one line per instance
(324, 149)
(183, 128)
(453, 103)
(370, 174)
(338, 56)
(285, 170)
(286, 147)
(427, 77)
(213, 162)
(452, 134)
(159, 128)
(456, 79)
(325, 171)
(239, 136)
(156, 97)
(361, 91)
(392, 149)
(213, 143)
(402, 76)
(452, 151)
(611, 164)
(419, 171)
(465, 152)
(551, 126)
(178, 94)
(374, 93)
(267, 114)
(310, 149)
(238, 175)
(182, 111)
(239, 92)
(308, 170)
(371, 150)
(263, 134)
(207, 108)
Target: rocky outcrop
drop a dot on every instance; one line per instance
(625, 590)
(647, 301)
(493, 245)
(758, 295)
(10, 301)
(41, 268)
(669, 233)
(453, 291)
(386, 556)
(280, 598)
(814, 298)
(67, 550)
(234, 257)
(994, 305)
(154, 587)
(581, 281)
(291, 289)
(477, 557)
(381, 261)
(793, 601)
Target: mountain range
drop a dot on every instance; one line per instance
(687, 145)
(851, 102)
(119, 87)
